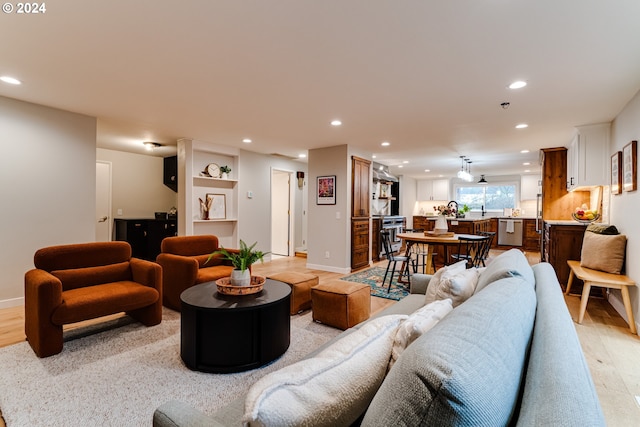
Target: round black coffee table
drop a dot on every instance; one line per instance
(224, 333)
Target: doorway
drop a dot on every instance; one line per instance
(103, 201)
(281, 213)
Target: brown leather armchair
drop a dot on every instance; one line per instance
(183, 265)
(77, 282)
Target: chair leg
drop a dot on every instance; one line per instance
(385, 274)
(393, 270)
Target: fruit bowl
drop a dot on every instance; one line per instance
(585, 220)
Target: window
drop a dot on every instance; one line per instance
(492, 197)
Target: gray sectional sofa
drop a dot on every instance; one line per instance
(508, 355)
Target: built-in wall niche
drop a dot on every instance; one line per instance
(197, 160)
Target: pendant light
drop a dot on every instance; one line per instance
(469, 176)
(461, 172)
(482, 180)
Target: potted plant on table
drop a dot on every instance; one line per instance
(241, 261)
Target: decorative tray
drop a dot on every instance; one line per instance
(225, 286)
(439, 233)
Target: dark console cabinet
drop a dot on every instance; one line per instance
(144, 235)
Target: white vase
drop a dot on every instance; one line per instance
(241, 278)
(225, 175)
(441, 225)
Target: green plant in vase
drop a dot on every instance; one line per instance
(225, 170)
(241, 261)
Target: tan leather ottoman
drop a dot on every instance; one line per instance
(341, 304)
(301, 284)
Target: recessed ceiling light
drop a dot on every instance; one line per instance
(399, 166)
(151, 145)
(427, 170)
(385, 144)
(524, 151)
(405, 161)
(517, 84)
(302, 155)
(336, 123)
(247, 141)
(526, 164)
(522, 126)
(10, 80)
(527, 170)
(373, 157)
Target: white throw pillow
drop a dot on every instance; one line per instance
(333, 388)
(443, 273)
(419, 322)
(459, 287)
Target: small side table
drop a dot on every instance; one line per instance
(224, 333)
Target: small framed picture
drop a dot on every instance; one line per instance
(218, 208)
(326, 190)
(616, 173)
(630, 166)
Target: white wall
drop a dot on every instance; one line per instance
(47, 173)
(329, 225)
(408, 198)
(137, 186)
(624, 207)
(254, 216)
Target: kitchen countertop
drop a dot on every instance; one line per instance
(434, 217)
(563, 222)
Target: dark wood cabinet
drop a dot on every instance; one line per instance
(144, 235)
(359, 243)
(360, 200)
(376, 243)
(562, 242)
(531, 237)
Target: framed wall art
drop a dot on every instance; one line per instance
(218, 208)
(616, 173)
(326, 190)
(630, 166)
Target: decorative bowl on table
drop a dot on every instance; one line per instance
(225, 287)
(585, 218)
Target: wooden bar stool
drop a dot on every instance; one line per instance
(601, 279)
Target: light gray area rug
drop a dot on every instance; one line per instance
(119, 376)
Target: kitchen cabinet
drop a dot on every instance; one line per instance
(587, 157)
(360, 187)
(360, 179)
(437, 189)
(144, 235)
(359, 243)
(531, 237)
(530, 187)
(376, 243)
(562, 241)
(557, 202)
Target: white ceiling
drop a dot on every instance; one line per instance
(428, 76)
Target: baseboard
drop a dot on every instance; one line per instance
(618, 305)
(13, 302)
(328, 268)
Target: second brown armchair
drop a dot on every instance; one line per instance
(183, 265)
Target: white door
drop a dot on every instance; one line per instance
(280, 212)
(103, 201)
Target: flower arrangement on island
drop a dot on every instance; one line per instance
(445, 210)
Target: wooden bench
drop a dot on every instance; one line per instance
(601, 279)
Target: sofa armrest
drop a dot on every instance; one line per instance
(419, 283)
(178, 414)
(178, 268)
(146, 273)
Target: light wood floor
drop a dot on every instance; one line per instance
(612, 352)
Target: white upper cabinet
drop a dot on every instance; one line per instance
(530, 187)
(587, 157)
(437, 189)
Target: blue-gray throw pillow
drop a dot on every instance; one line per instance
(511, 263)
(468, 369)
